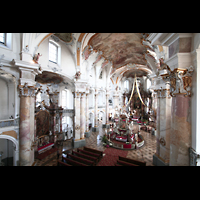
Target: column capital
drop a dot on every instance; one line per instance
(27, 91)
(163, 93)
(180, 80)
(77, 94)
(83, 94)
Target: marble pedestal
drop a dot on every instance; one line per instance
(180, 137)
(87, 134)
(78, 143)
(106, 126)
(158, 161)
(95, 129)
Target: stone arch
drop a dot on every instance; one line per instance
(103, 116)
(91, 117)
(16, 149)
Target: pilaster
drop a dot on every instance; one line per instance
(180, 81)
(95, 128)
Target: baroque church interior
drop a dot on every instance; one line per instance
(99, 99)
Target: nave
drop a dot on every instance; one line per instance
(145, 153)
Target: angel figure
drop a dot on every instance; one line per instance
(36, 57)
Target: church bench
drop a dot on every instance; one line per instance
(60, 163)
(79, 159)
(118, 164)
(73, 162)
(85, 156)
(123, 163)
(94, 151)
(89, 153)
(137, 162)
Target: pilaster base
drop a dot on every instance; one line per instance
(103, 125)
(95, 129)
(78, 143)
(158, 162)
(87, 134)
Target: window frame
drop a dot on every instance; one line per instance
(4, 37)
(52, 43)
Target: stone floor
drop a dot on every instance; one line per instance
(145, 153)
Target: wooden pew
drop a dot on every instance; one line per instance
(118, 164)
(88, 153)
(79, 159)
(93, 151)
(123, 163)
(60, 163)
(85, 156)
(73, 162)
(136, 162)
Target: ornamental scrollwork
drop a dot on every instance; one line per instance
(77, 127)
(180, 80)
(162, 141)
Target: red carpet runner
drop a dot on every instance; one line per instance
(111, 157)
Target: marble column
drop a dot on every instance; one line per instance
(60, 114)
(158, 127)
(95, 128)
(26, 125)
(87, 132)
(107, 110)
(82, 115)
(180, 138)
(77, 116)
(163, 128)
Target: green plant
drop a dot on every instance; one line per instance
(104, 138)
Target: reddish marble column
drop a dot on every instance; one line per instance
(26, 126)
(180, 137)
(82, 115)
(60, 121)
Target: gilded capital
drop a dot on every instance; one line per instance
(180, 80)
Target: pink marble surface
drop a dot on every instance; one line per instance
(180, 138)
(26, 131)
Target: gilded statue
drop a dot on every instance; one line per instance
(186, 80)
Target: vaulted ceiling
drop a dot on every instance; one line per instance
(123, 49)
(120, 48)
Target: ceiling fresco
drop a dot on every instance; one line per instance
(132, 72)
(66, 37)
(120, 48)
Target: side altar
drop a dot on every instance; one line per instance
(48, 121)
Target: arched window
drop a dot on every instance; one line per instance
(148, 84)
(53, 52)
(126, 85)
(64, 98)
(6, 40)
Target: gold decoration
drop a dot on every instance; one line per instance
(162, 141)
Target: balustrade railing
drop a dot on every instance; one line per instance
(9, 122)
